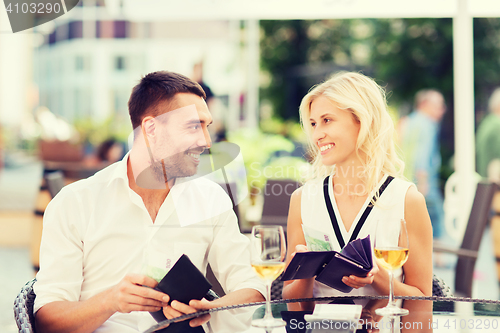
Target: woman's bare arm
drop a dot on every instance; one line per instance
(295, 241)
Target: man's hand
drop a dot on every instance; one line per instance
(133, 294)
(177, 309)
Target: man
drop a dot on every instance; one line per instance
(420, 144)
(488, 140)
(101, 233)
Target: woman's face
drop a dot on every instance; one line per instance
(335, 132)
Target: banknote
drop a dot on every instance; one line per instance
(316, 240)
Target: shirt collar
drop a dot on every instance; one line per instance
(120, 171)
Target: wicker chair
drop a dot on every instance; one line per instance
(23, 308)
(440, 288)
(468, 251)
(277, 288)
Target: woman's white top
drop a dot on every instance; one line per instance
(314, 213)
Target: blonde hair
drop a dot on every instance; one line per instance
(365, 99)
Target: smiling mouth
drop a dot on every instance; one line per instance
(194, 155)
(325, 147)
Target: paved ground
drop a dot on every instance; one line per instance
(19, 187)
(18, 191)
(15, 271)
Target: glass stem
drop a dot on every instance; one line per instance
(392, 302)
(269, 314)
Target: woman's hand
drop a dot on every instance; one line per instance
(359, 282)
(299, 248)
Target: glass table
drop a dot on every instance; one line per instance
(427, 314)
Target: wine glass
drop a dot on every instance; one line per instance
(268, 256)
(391, 251)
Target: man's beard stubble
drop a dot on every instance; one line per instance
(172, 167)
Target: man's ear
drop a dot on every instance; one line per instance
(148, 125)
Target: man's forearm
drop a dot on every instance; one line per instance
(133, 293)
(76, 317)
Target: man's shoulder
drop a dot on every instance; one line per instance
(490, 123)
(93, 183)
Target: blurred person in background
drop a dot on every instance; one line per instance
(488, 140)
(108, 151)
(419, 133)
(198, 77)
(217, 130)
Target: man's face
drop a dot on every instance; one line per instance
(434, 106)
(438, 106)
(180, 136)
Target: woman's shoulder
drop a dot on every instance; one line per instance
(399, 187)
(311, 188)
(409, 189)
(413, 197)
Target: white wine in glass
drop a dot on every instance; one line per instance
(268, 256)
(268, 271)
(391, 251)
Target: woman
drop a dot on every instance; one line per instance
(350, 137)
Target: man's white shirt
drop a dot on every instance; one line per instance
(97, 230)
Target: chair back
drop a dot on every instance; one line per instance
(232, 190)
(277, 201)
(478, 219)
(23, 308)
(55, 182)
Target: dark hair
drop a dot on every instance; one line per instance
(103, 149)
(155, 88)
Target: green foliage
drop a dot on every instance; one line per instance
(290, 129)
(404, 55)
(486, 60)
(412, 54)
(95, 133)
(257, 149)
(287, 167)
(284, 45)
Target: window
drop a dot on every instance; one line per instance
(119, 63)
(82, 63)
(120, 29)
(75, 29)
(120, 99)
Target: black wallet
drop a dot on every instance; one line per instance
(330, 266)
(182, 283)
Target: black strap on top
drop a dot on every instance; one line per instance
(363, 217)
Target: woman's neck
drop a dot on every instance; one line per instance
(350, 179)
